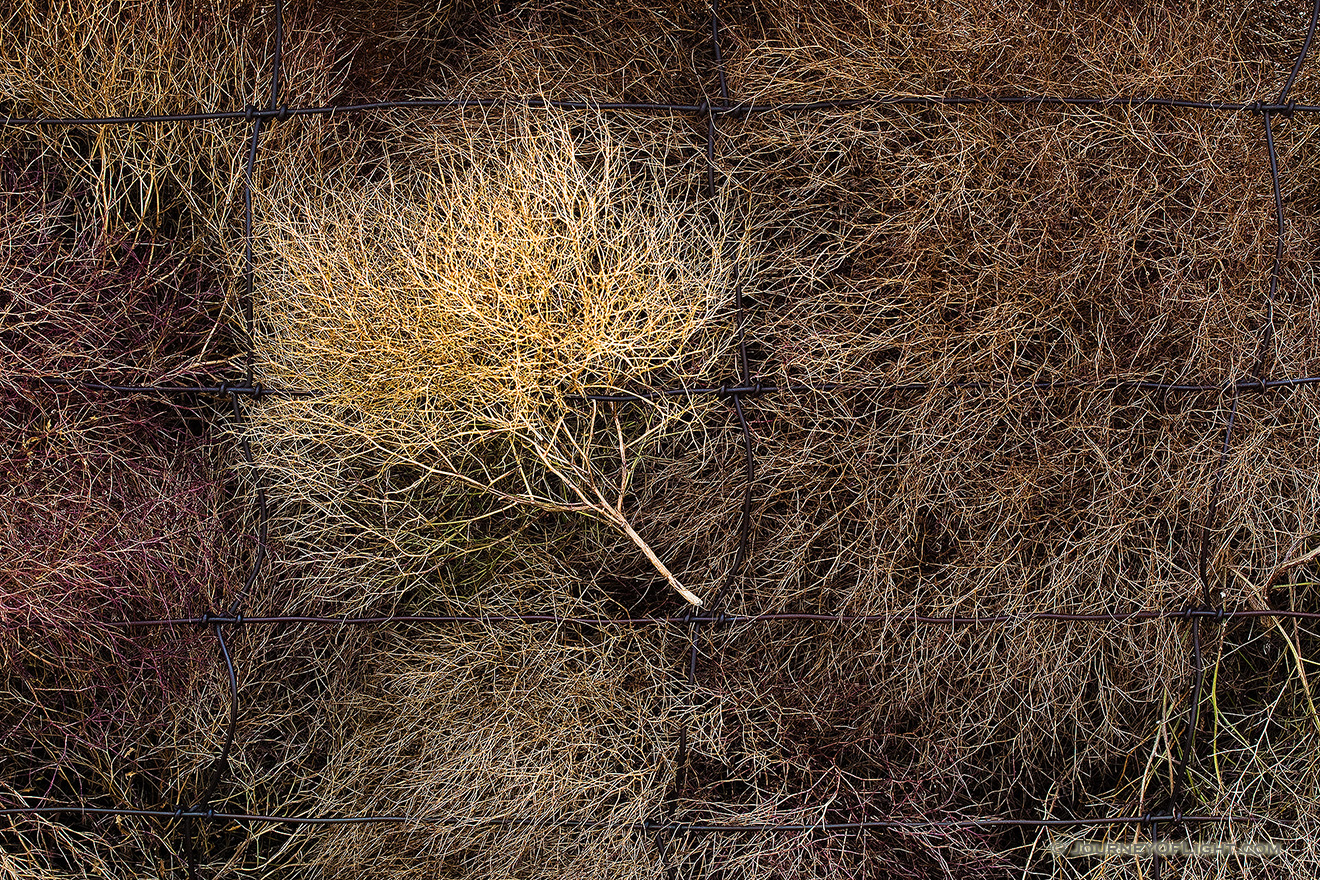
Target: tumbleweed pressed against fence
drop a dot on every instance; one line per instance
(923, 354)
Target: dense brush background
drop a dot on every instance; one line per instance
(881, 247)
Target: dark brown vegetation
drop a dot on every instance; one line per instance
(937, 267)
(111, 509)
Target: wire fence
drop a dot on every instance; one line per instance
(738, 390)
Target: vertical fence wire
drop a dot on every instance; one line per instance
(682, 776)
(233, 614)
(1187, 758)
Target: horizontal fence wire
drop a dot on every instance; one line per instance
(738, 389)
(256, 114)
(744, 386)
(694, 827)
(721, 619)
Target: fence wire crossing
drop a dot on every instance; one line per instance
(1171, 815)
